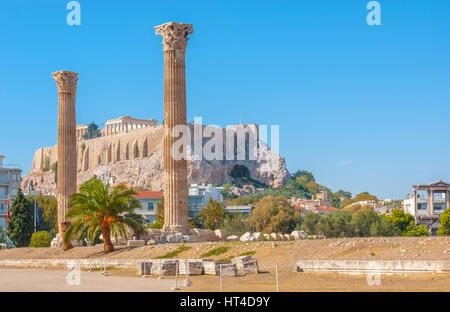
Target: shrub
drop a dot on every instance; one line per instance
(174, 253)
(444, 228)
(41, 239)
(215, 252)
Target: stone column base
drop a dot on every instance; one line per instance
(172, 229)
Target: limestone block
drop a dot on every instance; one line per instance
(232, 238)
(194, 267)
(191, 239)
(137, 242)
(228, 270)
(173, 239)
(239, 261)
(273, 236)
(221, 235)
(210, 267)
(164, 267)
(280, 237)
(250, 267)
(287, 237)
(151, 242)
(245, 236)
(299, 234)
(144, 268)
(267, 236)
(258, 236)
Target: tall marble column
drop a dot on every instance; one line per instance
(430, 203)
(447, 199)
(67, 149)
(175, 37)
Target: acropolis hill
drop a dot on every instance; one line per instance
(131, 151)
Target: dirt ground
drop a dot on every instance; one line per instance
(13, 279)
(284, 254)
(319, 282)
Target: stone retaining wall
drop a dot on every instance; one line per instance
(373, 267)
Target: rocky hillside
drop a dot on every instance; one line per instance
(136, 158)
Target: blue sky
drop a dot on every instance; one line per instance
(365, 108)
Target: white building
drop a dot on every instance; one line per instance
(199, 196)
(244, 209)
(427, 203)
(9, 185)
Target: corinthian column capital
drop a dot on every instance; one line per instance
(175, 35)
(66, 81)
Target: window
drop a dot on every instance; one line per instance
(150, 206)
(422, 206)
(4, 178)
(3, 192)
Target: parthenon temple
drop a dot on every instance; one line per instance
(121, 124)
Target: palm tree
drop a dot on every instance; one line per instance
(95, 209)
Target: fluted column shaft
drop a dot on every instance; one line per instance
(175, 36)
(67, 153)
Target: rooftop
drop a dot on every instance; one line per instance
(149, 194)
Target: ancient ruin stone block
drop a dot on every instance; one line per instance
(144, 268)
(137, 242)
(194, 267)
(164, 267)
(228, 270)
(299, 234)
(221, 235)
(239, 261)
(210, 267)
(232, 238)
(250, 267)
(258, 236)
(245, 236)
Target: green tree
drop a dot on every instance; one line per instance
(337, 224)
(311, 222)
(212, 214)
(96, 209)
(236, 223)
(420, 230)
(401, 221)
(404, 224)
(48, 213)
(92, 131)
(382, 228)
(21, 221)
(274, 214)
(159, 216)
(41, 239)
(444, 228)
(3, 239)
